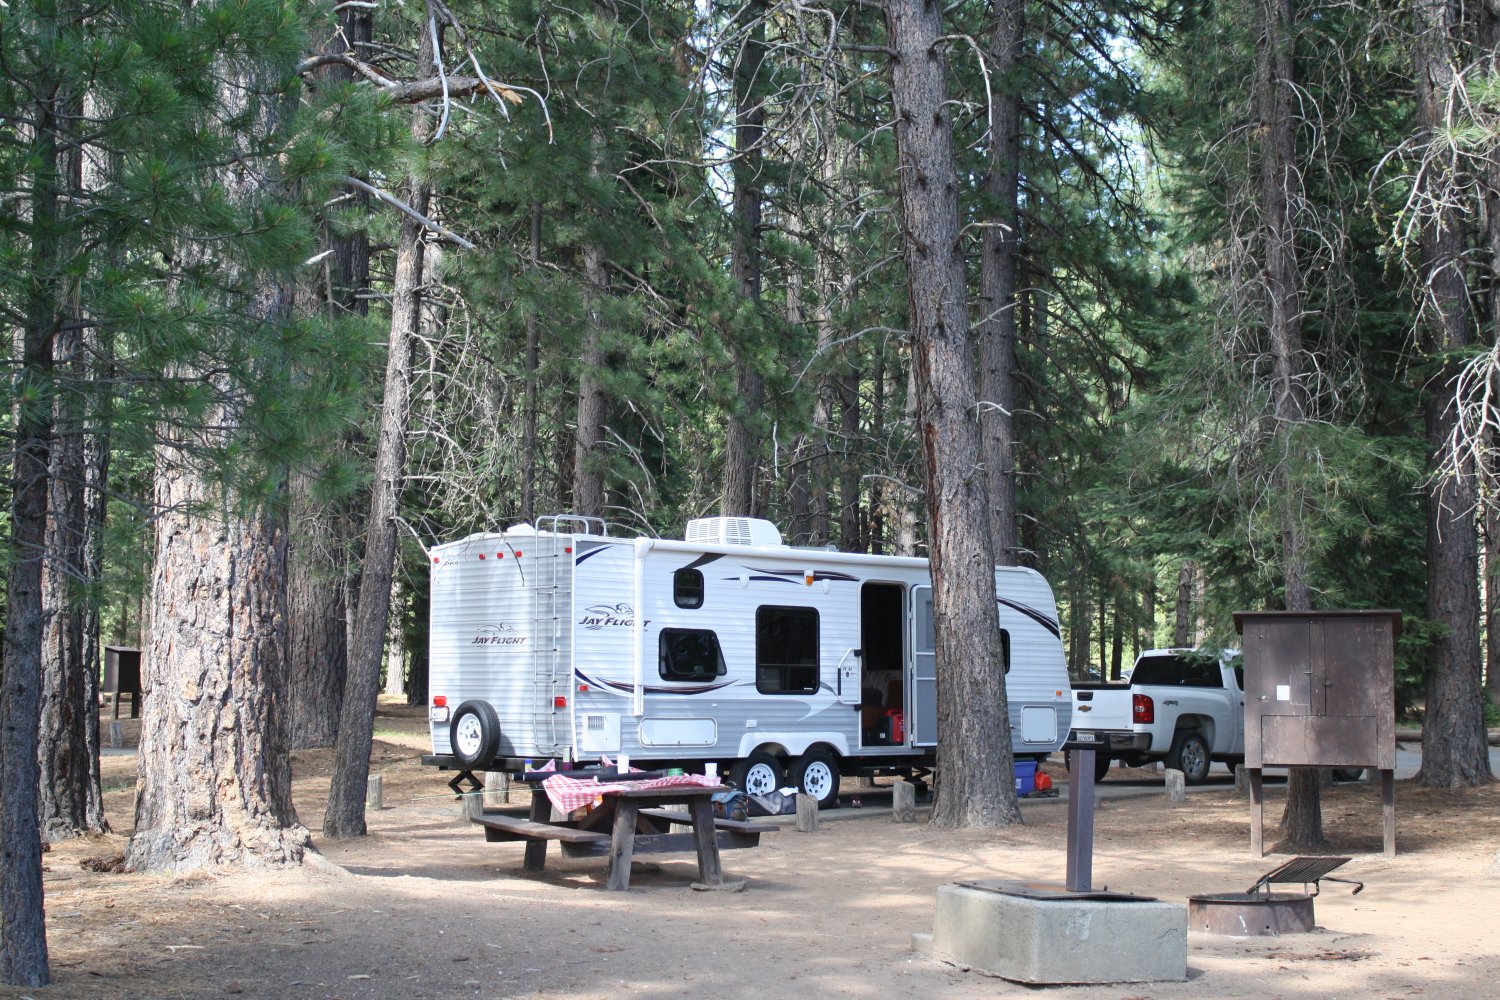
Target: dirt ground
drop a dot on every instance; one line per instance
(424, 907)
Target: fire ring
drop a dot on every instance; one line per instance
(1245, 914)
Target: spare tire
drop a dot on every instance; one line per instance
(474, 733)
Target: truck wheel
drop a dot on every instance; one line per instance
(816, 773)
(474, 733)
(757, 774)
(1101, 764)
(1348, 773)
(1189, 755)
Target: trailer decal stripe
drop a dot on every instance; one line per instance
(627, 690)
(1047, 623)
(704, 560)
(590, 553)
(794, 575)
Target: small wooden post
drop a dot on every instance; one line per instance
(473, 805)
(375, 792)
(807, 814)
(903, 801)
(1241, 782)
(116, 735)
(1257, 817)
(1176, 785)
(496, 788)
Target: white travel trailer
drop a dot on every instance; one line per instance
(781, 665)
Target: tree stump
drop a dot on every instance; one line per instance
(496, 788)
(903, 802)
(807, 814)
(375, 792)
(1176, 785)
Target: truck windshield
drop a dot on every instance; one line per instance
(1179, 671)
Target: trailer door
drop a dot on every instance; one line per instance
(923, 715)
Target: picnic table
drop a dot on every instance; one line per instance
(634, 813)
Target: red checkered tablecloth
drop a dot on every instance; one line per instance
(567, 794)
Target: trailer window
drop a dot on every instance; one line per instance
(690, 654)
(786, 650)
(687, 588)
(1005, 648)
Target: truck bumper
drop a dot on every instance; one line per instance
(1107, 742)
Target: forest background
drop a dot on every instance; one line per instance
(297, 288)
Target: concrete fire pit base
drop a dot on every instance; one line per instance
(1058, 941)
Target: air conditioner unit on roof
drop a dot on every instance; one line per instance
(732, 531)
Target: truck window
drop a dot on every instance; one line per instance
(1178, 671)
(690, 654)
(786, 650)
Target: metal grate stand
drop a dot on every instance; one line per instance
(1307, 871)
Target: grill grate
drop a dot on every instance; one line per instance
(1304, 870)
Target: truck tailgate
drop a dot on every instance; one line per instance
(1100, 708)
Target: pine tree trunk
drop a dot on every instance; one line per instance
(322, 531)
(345, 815)
(23, 932)
(1182, 631)
(317, 626)
(588, 474)
(528, 427)
(997, 295)
(70, 797)
(975, 786)
(215, 778)
(1454, 749)
(742, 445)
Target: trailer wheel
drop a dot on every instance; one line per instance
(1189, 755)
(474, 733)
(757, 774)
(816, 773)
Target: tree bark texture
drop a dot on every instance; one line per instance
(997, 280)
(742, 444)
(345, 815)
(975, 786)
(1454, 749)
(215, 778)
(1182, 629)
(70, 798)
(588, 469)
(533, 343)
(322, 530)
(317, 626)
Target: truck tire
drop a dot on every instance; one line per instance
(1101, 764)
(474, 733)
(1189, 754)
(757, 774)
(1348, 773)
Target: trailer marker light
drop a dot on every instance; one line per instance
(518, 553)
(561, 701)
(440, 701)
(583, 687)
(434, 558)
(481, 555)
(568, 550)
(499, 555)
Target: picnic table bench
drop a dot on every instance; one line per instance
(636, 823)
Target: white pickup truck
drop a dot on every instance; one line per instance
(1183, 706)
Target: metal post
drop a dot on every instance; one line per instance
(1081, 821)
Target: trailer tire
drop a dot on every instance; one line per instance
(1189, 754)
(474, 733)
(757, 774)
(816, 773)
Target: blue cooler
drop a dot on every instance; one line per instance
(1025, 776)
